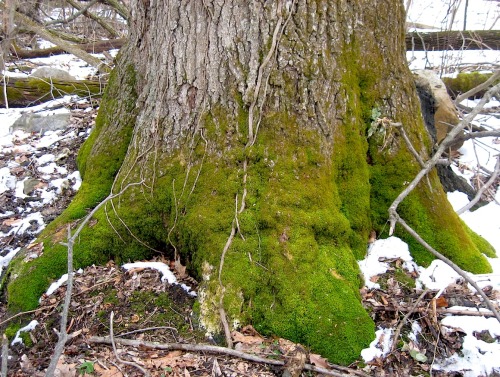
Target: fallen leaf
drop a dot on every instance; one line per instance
(135, 318)
(318, 360)
(180, 269)
(247, 339)
(441, 302)
(65, 370)
(296, 359)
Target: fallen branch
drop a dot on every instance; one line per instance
(39, 29)
(92, 47)
(453, 40)
(478, 88)
(29, 91)
(111, 337)
(439, 311)
(217, 350)
(5, 356)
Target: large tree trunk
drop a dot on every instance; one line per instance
(246, 123)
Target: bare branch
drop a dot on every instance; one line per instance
(483, 86)
(481, 191)
(119, 7)
(73, 16)
(96, 18)
(429, 165)
(39, 29)
(218, 350)
(457, 269)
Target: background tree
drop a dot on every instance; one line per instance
(254, 131)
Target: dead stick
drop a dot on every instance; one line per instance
(211, 349)
(405, 318)
(112, 340)
(482, 189)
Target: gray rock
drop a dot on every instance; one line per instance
(51, 73)
(34, 123)
(30, 185)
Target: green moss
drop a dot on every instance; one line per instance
(11, 331)
(40, 90)
(465, 82)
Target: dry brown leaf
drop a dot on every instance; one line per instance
(247, 339)
(374, 279)
(64, 370)
(135, 270)
(441, 302)
(135, 318)
(12, 221)
(180, 269)
(384, 300)
(169, 360)
(318, 360)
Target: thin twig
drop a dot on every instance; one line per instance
(457, 269)
(405, 318)
(429, 165)
(213, 349)
(148, 329)
(402, 131)
(480, 192)
(112, 339)
(5, 355)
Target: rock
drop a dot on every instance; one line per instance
(52, 73)
(439, 111)
(37, 123)
(30, 184)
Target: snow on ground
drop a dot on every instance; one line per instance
(168, 276)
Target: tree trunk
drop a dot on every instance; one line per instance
(246, 123)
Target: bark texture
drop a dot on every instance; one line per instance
(250, 123)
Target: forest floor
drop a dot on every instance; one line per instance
(147, 308)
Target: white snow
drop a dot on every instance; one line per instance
(391, 247)
(29, 327)
(168, 276)
(380, 346)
